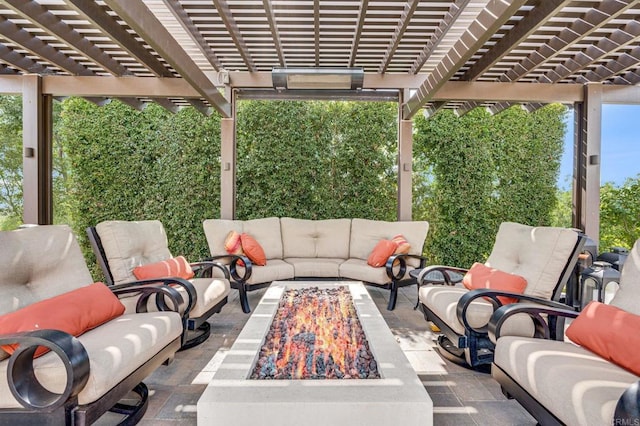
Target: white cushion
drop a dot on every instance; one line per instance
(266, 232)
(442, 300)
(131, 244)
(539, 254)
(116, 349)
(359, 270)
(315, 267)
(365, 234)
(210, 292)
(577, 386)
(315, 238)
(38, 263)
(628, 295)
(274, 270)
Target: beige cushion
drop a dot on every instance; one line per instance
(443, 300)
(365, 234)
(315, 238)
(116, 349)
(210, 293)
(359, 270)
(266, 232)
(576, 385)
(315, 267)
(38, 263)
(628, 295)
(539, 254)
(130, 244)
(274, 270)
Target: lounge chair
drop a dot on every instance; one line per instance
(102, 355)
(122, 246)
(544, 256)
(559, 382)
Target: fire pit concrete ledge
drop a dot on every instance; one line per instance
(397, 398)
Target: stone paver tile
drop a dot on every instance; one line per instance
(508, 413)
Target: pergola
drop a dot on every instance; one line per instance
(425, 54)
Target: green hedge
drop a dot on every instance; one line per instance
(313, 160)
(316, 160)
(132, 165)
(476, 171)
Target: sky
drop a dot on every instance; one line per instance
(620, 145)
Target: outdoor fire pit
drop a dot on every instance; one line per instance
(316, 334)
(289, 327)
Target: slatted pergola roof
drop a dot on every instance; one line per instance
(421, 44)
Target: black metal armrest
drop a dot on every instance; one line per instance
(401, 260)
(542, 307)
(628, 407)
(233, 266)
(203, 266)
(148, 288)
(444, 270)
(492, 296)
(24, 383)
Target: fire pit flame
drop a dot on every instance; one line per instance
(316, 334)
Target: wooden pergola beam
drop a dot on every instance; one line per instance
(147, 26)
(488, 21)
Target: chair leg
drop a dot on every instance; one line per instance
(393, 296)
(244, 300)
(133, 412)
(201, 334)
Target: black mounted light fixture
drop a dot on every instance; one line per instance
(317, 78)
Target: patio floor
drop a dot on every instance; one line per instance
(460, 396)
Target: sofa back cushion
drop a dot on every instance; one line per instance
(38, 263)
(628, 295)
(365, 234)
(315, 238)
(265, 231)
(130, 244)
(539, 254)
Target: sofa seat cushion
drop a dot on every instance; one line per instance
(274, 270)
(366, 233)
(210, 293)
(576, 385)
(315, 267)
(327, 238)
(116, 349)
(443, 302)
(359, 270)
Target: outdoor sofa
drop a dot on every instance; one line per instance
(105, 350)
(591, 378)
(331, 248)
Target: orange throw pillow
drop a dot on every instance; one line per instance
(482, 276)
(233, 245)
(403, 244)
(174, 267)
(381, 253)
(75, 312)
(609, 332)
(253, 250)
